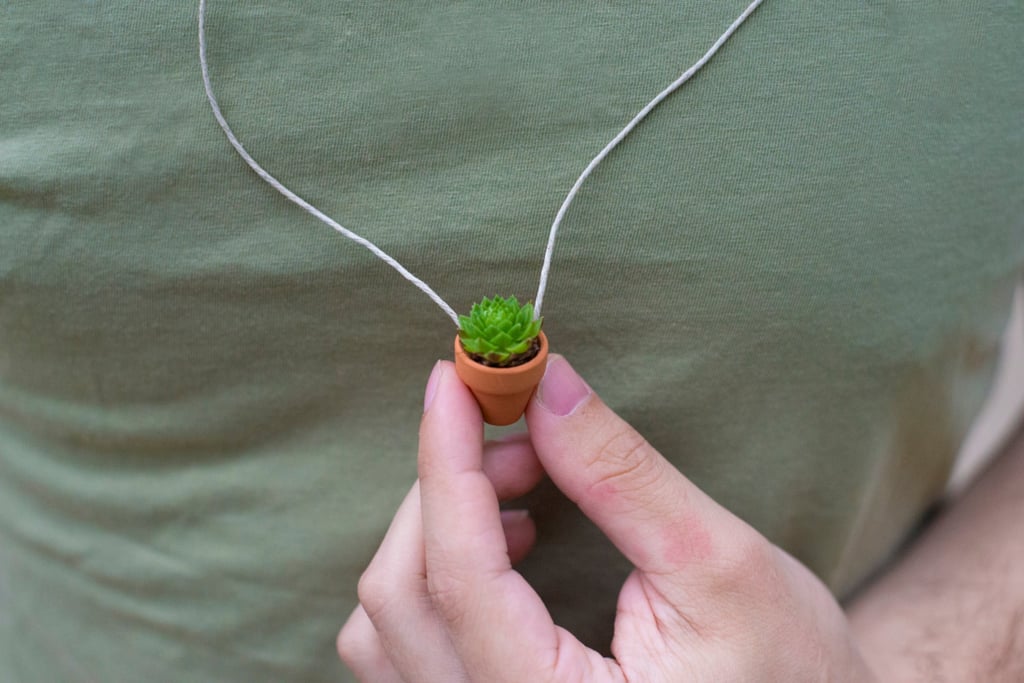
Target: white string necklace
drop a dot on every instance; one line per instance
(380, 253)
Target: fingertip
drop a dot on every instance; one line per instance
(432, 381)
(435, 381)
(520, 533)
(512, 465)
(451, 423)
(447, 395)
(561, 391)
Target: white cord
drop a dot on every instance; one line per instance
(377, 251)
(291, 196)
(686, 75)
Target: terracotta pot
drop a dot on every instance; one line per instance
(501, 392)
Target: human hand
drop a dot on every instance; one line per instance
(709, 600)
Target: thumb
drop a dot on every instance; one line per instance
(659, 520)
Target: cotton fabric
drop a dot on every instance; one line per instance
(791, 279)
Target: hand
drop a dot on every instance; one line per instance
(710, 599)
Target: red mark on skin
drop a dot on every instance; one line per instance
(666, 542)
(604, 493)
(685, 541)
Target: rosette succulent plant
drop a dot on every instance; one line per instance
(499, 332)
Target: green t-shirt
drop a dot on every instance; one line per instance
(791, 278)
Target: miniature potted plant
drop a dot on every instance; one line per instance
(500, 354)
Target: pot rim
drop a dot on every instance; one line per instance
(529, 365)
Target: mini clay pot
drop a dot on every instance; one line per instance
(501, 392)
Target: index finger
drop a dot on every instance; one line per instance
(497, 623)
(459, 505)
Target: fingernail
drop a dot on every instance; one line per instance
(435, 378)
(514, 516)
(562, 390)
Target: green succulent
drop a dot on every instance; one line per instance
(499, 332)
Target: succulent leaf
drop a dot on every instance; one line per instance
(499, 331)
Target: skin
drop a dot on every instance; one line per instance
(710, 599)
(952, 609)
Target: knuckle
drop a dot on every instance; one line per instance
(354, 643)
(347, 645)
(623, 460)
(447, 592)
(374, 593)
(748, 563)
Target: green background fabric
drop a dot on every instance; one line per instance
(791, 279)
